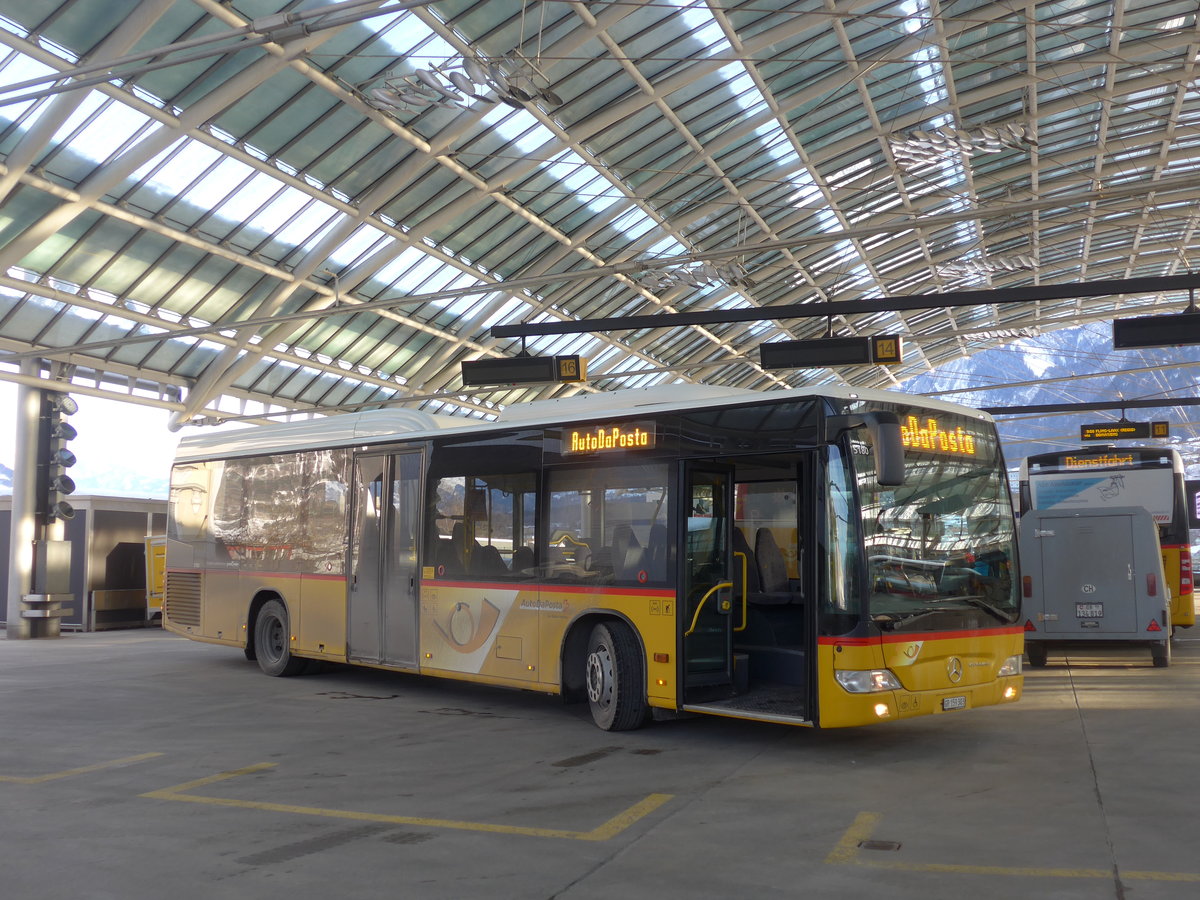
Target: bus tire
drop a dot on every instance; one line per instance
(1160, 653)
(1037, 655)
(613, 678)
(272, 641)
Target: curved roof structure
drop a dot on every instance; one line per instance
(240, 210)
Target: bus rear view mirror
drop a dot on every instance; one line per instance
(884, 428)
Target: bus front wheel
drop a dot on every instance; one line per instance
(613, 677)
(272, 641)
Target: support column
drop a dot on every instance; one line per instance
(23, 530)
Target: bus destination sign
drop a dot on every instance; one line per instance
(928, 434)
(1114, 431)
(1100, 461)
(607, 438)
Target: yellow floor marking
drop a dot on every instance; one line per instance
(82, 770)
(847, 852)
(604, 832)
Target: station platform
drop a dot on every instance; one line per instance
(138, 765)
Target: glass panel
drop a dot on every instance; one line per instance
(368, 521)
(405, 506)
(325, 512)
(841, 595)
(942, 545)
(608, 525)
(483, 526)
(708, 644)
(771, 505)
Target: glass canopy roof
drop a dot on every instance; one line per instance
(252, 209)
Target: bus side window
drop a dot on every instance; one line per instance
(607, 524)
(522, 560)
(478, 524)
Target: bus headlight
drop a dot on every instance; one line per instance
(1011, 666)
(867, 681)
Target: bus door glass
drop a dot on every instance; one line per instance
(382, 624)
(707, 587)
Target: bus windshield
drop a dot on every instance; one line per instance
(941, 548)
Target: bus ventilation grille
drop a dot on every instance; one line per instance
(181, 599)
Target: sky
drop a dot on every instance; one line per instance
(123, 449)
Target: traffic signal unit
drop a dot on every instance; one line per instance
(54, 484)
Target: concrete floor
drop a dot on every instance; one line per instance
(141, 766)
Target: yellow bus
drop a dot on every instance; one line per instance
(824, 558)
(1104, 476)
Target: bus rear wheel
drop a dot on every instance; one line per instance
(613, 677)
(1037, 655)
(1160, 654)
(272, 641)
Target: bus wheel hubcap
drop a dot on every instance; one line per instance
(599, 676)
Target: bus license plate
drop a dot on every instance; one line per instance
(954, 703)
(1089, 610)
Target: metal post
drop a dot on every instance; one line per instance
(23, 531)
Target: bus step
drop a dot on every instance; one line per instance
(741, 673)
(701, 689)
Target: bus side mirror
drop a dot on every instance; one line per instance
(885, 440)
(889, 449)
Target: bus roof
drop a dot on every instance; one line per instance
(382, 425)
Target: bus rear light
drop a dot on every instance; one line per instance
(1027, 586)
(1029, 626)
(1151, 584)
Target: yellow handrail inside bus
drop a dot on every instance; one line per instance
(712, 590)
(745, 584)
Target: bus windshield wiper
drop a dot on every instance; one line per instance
(894, 620)
(980, 603)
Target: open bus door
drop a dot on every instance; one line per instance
(706, 598)
(750, 648)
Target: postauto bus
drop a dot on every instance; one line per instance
(821, 557)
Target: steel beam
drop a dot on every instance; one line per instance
(1087, 407)
(1024, 294)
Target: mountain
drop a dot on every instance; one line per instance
(105, 480)
(1073, 365)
